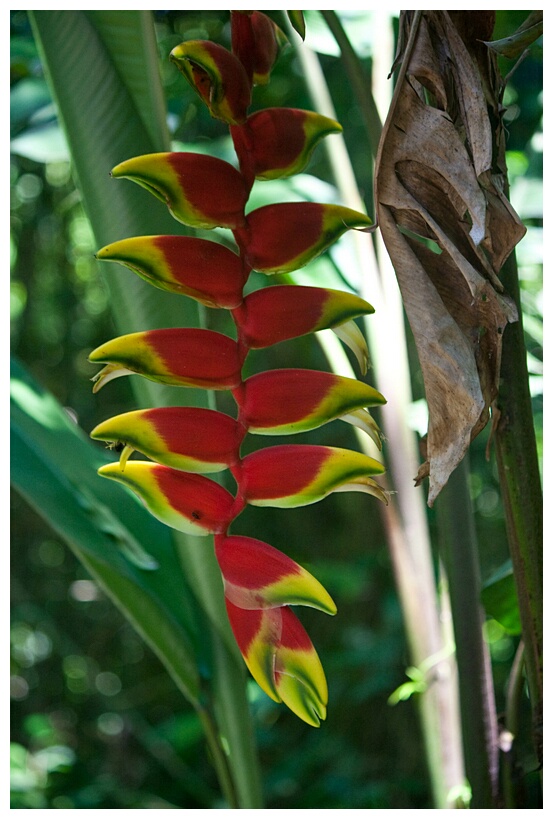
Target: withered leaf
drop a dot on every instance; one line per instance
(448, 226)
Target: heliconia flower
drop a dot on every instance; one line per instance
(202, 191)
(282, 659)
(278, 142)
(280, 312)
(283, 237)
(190, 503)
(283, 402)
(256, 41)
(189, 438)
(185, 357)
(300, 474)
(206, 271)
(258, 576)
(199, 190)
(218, 76)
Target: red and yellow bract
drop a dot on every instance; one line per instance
(206, 271)
(293, 475)
(185, 357)
(218, 76)
(189, 438)
(258, 576)
(293, 400)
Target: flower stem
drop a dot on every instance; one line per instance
(218, 758)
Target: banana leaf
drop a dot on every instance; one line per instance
(129, 553)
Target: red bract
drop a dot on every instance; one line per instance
(199, 190)
(282, 659)
(282, 312)
(218, 76)
(186, 502)
(183, 357)
(189, 438)
(293, 400)
(300, 474)
(206, 271)
(260, 583)
(284, 237)
(278, 142)
(258, 576)
(256, 41)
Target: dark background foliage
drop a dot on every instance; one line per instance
(96, 721)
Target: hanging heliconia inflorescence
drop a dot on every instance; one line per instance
(202, 191)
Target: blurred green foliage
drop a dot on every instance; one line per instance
(96, 721)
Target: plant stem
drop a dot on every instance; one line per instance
(359, 81)
(236, 725)
(521, 491)
(458, 546)
(218, 758)
(514, 695)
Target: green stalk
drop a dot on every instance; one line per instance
(218, 758)
(521, 491)
(459, 551)
(234, 718)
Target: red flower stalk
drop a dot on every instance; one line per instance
(260, 582)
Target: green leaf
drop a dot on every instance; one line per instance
(107, 522)
(297, 20)
(513, 46)
(499, 599)
(129, 38)
(54, 467)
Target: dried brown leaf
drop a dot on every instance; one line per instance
(448, 226)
